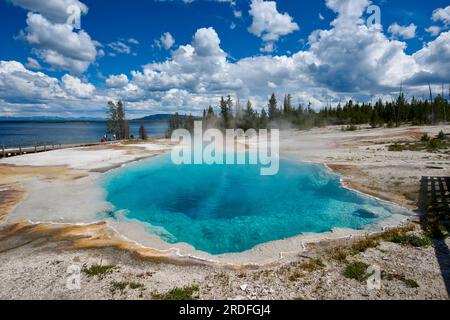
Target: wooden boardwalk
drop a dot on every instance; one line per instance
(435, 194)
(13, 152)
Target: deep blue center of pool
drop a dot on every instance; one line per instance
(225, 209)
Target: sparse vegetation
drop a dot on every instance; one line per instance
(98, 270)
(350, 128)
(411, 240)
(396, 148)
(312, 265)
(296, 276)
(178, 294)
(356, 270)
(408, 282)
(121, 286)
(118, 286)
(339, 254)
(297, 270)
(364, 244)
(397, 235)
(425, 138)
(436, 144)
(426, 143)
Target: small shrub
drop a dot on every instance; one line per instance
(356, 270)
(136, 285)
(178, 294)
(408, 282)
(425, 138)
(389, 234)
(312, 265)
(118, 286)
(441, 135)
(363, 245)
(295, 276)
(396, 148)
(121, 286)
(100, 271)
(339, 254)
(351, 128)
(436, 144)
(411, 240)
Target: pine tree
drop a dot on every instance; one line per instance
(117, 123)
(273, 108)
(143, 133)
(287, 105)
(263, 120)
(374, 119)
(225, 112)
(249, 117)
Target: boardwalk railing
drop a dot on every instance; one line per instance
(17, 151)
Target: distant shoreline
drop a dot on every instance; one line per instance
(78, 121)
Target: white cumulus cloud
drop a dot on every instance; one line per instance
(442, 14)
(405, 32)
(268, 23)
(117, 81)
(166, 41)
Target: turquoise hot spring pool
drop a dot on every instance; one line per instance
(230, 209)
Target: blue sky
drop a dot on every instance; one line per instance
(166, 56)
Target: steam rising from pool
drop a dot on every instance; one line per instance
(228, 209)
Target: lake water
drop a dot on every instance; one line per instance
(223, 209)
(24, 134)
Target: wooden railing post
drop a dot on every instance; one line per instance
(20, 151)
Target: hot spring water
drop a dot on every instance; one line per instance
(227, 209)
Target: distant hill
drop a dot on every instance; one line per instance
(51, 119)
(157, 117)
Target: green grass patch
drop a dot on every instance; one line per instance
(178, 294)
(339, 254)
(356, 270)
(118, 286)
(364, 244)
(426, 143)
(411, 240)
(408, 282)
(121, 286)
(425, 138)
(396, 148)
(97, 270)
